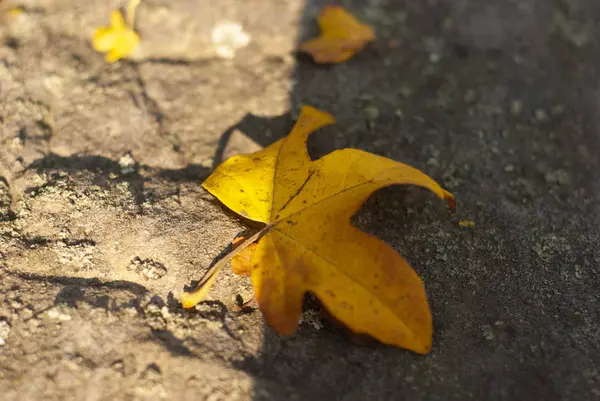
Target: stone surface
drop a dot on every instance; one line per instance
(103, 221)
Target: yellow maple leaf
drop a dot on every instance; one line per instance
(342, 36)
(309, 244)
(119, 39)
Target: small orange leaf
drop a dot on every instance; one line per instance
(342, 36)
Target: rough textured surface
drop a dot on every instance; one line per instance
(103, 221)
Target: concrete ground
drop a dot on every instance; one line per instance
(103, 221)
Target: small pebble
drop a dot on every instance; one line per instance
(434, 58)
(127, 164)
(432, 162)
(488, 333)
(405, 91)
(558, 109)
(228, 37)
(371, 113)
(56, 314)
(4, 331)
(541, 115)
(516, 106)
(559, 177)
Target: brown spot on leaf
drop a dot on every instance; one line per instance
(345, 305)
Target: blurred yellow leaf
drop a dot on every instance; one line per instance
(118, 40)
(16, 11)
(308, 243)
(342, 36)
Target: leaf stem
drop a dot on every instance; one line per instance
(130, 14)
(191, 299)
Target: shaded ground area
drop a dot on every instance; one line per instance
(103, 220)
